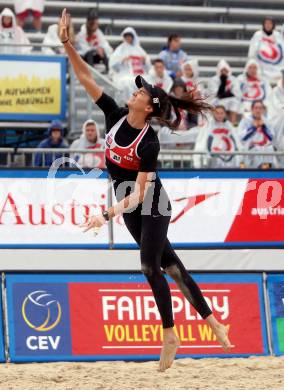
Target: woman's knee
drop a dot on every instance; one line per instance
(150, 271)
(173, 271)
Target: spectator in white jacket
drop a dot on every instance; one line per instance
(52, 39)
(218, 135)
(224, 90)
(190, 73)
(90, 139)
(276, 117)
(267, 48)
(253, 86)
(128, 60)
(256, 134)
(24, 8)
(158, 76)
(276, 101)
(92, 43)
(185, 135)
(10, 34)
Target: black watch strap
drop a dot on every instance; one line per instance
(106, 215)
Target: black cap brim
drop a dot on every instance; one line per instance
(142, 83)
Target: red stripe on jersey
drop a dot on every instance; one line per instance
(124, 156)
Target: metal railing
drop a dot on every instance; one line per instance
(168, 158)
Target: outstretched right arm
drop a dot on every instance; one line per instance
(81, 69)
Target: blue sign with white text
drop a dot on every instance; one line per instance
(275, 285)
(40, 319)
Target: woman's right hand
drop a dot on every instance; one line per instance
(63, 26)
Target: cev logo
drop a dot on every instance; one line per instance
(36, 300)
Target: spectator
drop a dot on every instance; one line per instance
(257, 134)
(10, 33)
(225, 90)
(54, 141)
(25, 8)
(278, 139)
(188, 120)
(127, 61)
(276, 117)
(173, 56)
(182, 138)
(190, 73)
(276, 101)
(253, 86)
(51, 38)
(159, 76)
(90, 139)
(266, 47)
(218, 135)
(92, 43)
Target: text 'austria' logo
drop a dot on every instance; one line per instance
(40, 312)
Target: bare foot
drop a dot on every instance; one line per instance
(221, 333)
(168, 352)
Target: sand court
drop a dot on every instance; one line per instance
(254, 373)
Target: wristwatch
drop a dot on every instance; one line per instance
(105, 214)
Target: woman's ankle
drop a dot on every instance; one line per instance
(212, 321)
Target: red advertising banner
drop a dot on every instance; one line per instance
(124, 319)
(260, 213)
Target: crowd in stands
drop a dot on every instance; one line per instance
(248, 110)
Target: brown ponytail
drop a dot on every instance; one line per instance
(190, 101)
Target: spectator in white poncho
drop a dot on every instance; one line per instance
(159, 77)
(11, 34)
(185, 135)
(253, 86)
(224, 90)
(267, 48)
(257, 134)
(276, 117)
(89, 139)
(128, 60)
(276, 101)
(190, 73)
(218, 135)
(52, 39)
(25, 8)
(92, 43)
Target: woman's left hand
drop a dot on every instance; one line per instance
(96, 221)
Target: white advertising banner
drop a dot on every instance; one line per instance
(48, 212)
(203, 210)
(215, 209)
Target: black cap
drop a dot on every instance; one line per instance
(157, 94)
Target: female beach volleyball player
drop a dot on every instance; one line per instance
(132, 149)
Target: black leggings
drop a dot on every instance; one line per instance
(150, 232)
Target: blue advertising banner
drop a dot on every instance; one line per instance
(32, 87)
(114, 317)
(275, 284)
(2, 348)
